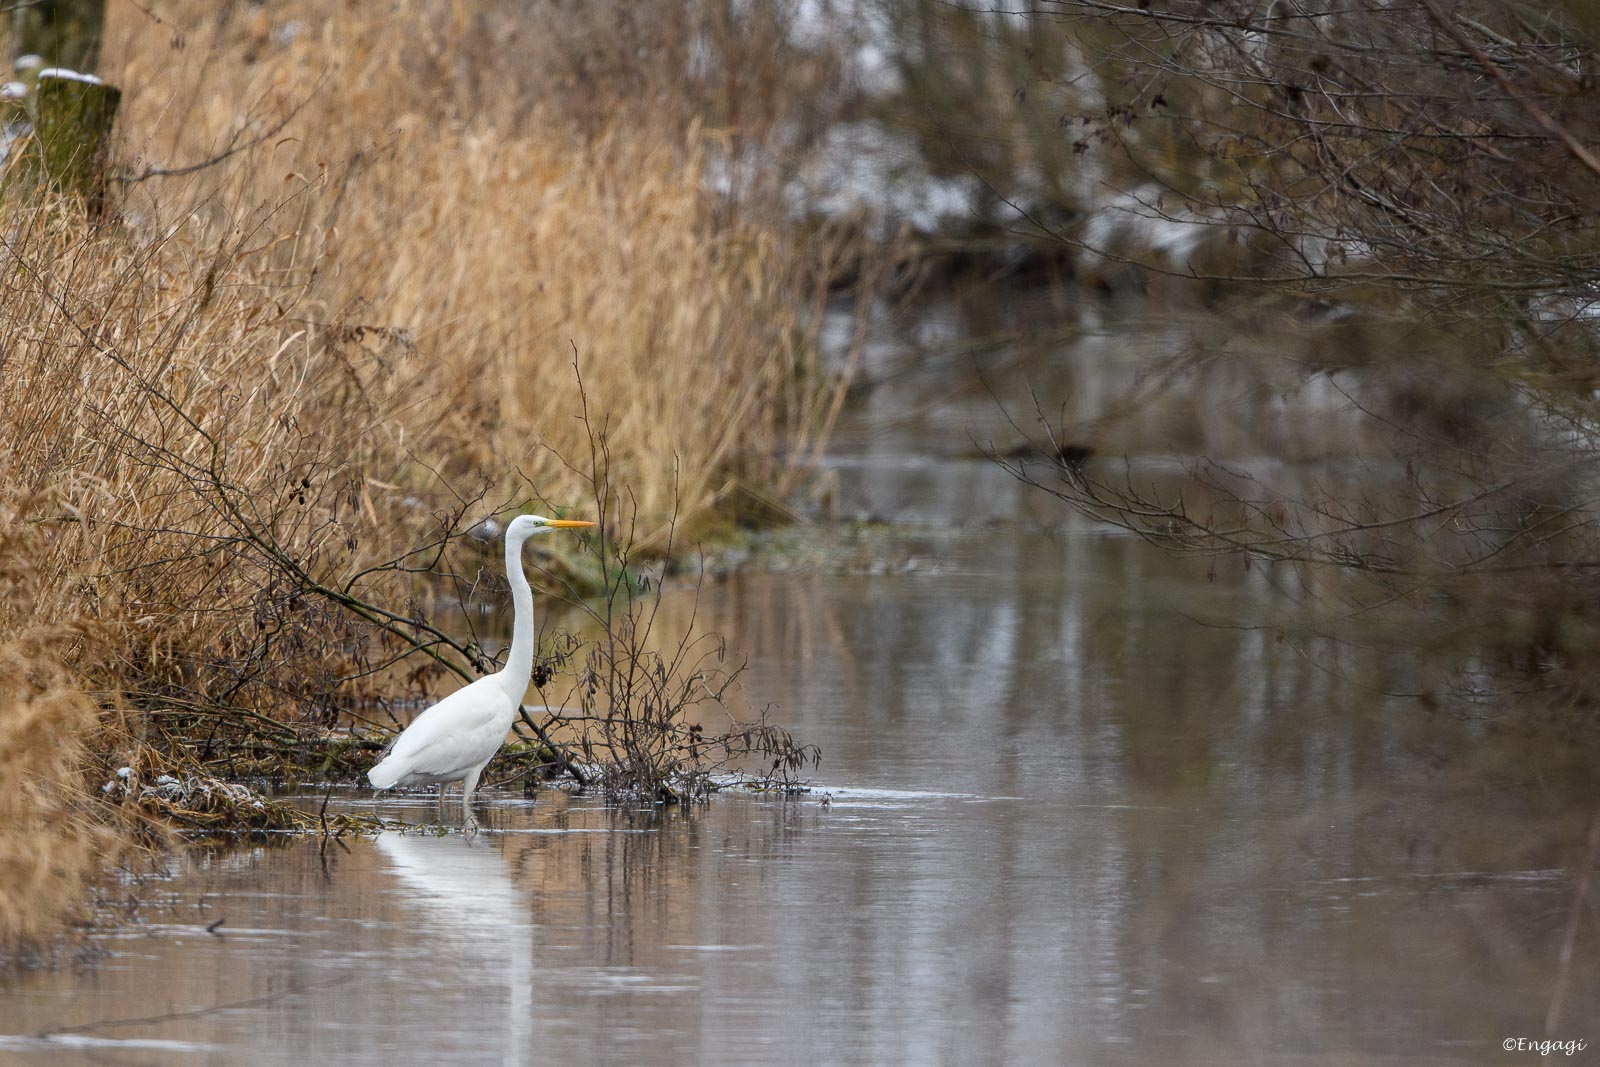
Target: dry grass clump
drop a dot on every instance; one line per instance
(47, 840)
(200, 455)
(47, 843)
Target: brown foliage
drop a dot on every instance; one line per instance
(48, 842)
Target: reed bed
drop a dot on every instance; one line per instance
(357, 264)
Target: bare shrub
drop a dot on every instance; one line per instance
(637, 703)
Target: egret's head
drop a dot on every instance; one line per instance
(525, 526)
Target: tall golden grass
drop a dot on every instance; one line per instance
(353, 254)
(511, 189)
(47, 839)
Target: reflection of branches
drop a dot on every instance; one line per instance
(1470, 550)
(1280, 527)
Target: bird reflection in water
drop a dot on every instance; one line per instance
(455, 891)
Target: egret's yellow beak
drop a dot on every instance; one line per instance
(567, 524)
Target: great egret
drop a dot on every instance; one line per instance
(455, 739)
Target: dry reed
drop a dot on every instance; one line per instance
(334, 308)
(501, 210)
(47, 840)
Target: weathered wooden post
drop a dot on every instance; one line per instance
(72, 116)
(68, 111)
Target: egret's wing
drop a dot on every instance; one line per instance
(462, 730)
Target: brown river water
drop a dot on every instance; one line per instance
(1073, 809)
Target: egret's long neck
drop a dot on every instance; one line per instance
(519, 661)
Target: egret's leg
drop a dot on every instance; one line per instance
(438, 807)
(469, 822)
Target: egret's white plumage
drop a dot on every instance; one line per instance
(456, 738)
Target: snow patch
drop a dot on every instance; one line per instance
(69, 75)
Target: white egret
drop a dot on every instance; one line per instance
(456, 738)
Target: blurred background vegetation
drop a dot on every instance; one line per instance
(1374, 218)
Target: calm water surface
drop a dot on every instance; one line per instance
(1065, 823)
